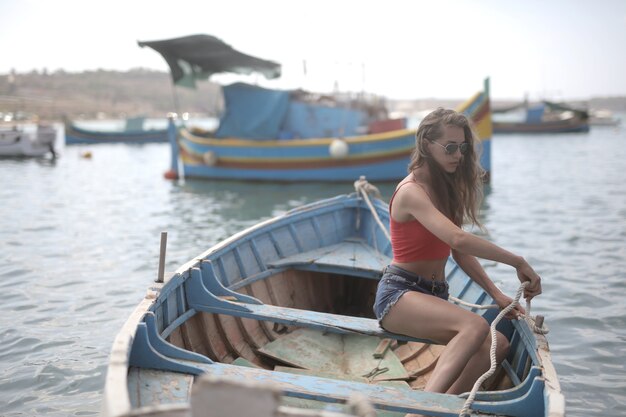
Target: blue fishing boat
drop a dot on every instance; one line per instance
(544, 117)
(294, 146)
(286, 306)
(133, 132)
(290, 136)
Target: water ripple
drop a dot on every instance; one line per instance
(85, 261)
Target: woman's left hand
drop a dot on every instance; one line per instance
(504, 301)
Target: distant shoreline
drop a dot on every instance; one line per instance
(101, 94)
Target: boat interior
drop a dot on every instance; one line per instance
(304, 322)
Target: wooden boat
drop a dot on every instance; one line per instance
(380, 156)
(290, 136)
(22, 143)
(133, 133)
(287, 305)
(603, 118)
(545, 117)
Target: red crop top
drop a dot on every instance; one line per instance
(411, 241)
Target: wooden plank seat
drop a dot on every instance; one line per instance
(380, 396)
(350, 257)
(151, 351)
(205, 293)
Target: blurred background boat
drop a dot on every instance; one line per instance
(25, 142)
(603, 118)
(311, 141)
(543, 117)
(278, 135)
(133, 131)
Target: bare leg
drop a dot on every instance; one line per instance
(479, 364)
(428, 317)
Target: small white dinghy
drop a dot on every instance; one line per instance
(21, 143)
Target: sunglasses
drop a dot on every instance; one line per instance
(452, 147)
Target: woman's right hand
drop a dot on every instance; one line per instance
(526, 273)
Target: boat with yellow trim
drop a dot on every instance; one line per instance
(290, 136)
(381, 156)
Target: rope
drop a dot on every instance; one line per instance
(492, 351)
(529, 319)
(365, 188)
(532, 321)
(477, 306)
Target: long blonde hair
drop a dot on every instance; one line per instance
(458, 194)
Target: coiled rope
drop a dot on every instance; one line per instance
(492, 351)
(364, 188)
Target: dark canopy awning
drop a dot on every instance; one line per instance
(199, 56)
(583, 114)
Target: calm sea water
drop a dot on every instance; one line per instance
(79, 242)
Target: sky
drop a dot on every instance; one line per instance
(401, 49)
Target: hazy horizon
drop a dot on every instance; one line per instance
(559, 50)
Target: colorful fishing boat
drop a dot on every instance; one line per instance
(133, 132)
(293, 149)
(286, 305)
(276, 135)
(545, 117)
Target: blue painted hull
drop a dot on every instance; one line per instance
(387, 171)
(79, 136)
(310, 271)
(378, 157)
(541, 128)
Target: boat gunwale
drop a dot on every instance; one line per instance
(357, 157)
(295, 143)
(116, 400)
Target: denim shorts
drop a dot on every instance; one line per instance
(396, 281)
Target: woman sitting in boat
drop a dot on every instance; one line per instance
(443, 189)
